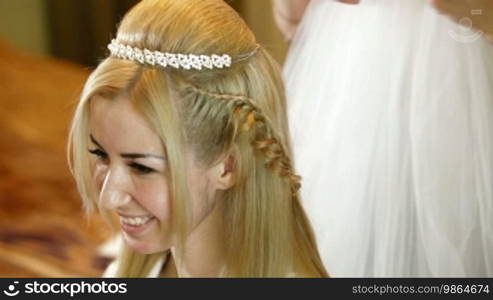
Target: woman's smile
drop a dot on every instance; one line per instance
(137, 225)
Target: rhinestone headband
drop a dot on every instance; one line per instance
(175, 60)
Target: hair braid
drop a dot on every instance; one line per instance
(265, 140)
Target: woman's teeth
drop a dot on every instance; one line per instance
(137, 221)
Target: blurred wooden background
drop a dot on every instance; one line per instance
(47, 49)
(42, 229)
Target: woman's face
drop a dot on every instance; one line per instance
(129, 170)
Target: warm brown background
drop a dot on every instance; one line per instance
(42, 229)
(79, 30)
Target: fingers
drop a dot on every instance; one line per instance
(349, 1)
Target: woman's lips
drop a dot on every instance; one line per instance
(134, 229)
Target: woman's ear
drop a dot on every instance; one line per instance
(222, 175)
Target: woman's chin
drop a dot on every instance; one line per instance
(144, 247)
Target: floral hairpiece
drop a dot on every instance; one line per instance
(175, 60)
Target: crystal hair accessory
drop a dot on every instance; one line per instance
(175, 60)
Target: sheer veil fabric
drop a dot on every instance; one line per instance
(391, 111)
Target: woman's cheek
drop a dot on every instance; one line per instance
(99, 175)
(156, 199)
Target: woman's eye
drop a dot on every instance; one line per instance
(100, 154)
(141, 169)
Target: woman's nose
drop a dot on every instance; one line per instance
(114, 193)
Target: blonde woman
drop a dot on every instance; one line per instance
(181, 135)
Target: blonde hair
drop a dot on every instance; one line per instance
(240, 109)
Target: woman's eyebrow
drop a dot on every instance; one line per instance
(129, 155)
(140, 155)
(95, 142)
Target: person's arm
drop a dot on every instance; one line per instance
(480, 12)
(288, 14)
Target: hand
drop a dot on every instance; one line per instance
(349, 1)
(480, 12)
(288, 14)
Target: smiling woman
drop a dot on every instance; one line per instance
(181, 134)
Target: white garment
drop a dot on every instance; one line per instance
(154, 273)
(391, 111)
